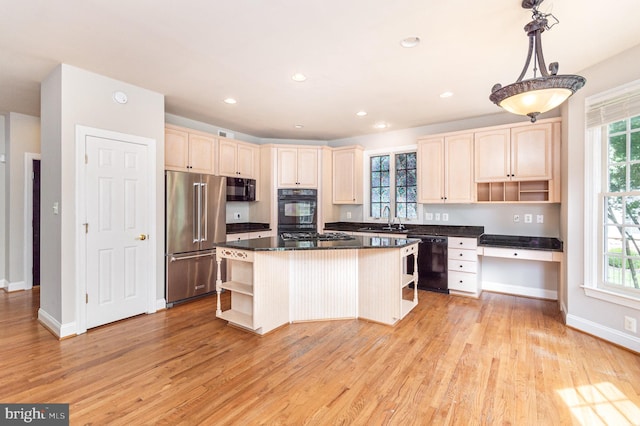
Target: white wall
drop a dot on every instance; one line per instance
(22, 135)
(70, 97)
(3, 203)
(594, 316)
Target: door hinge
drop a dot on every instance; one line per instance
(86, 298)
(86, 228)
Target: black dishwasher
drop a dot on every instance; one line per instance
(432, 263)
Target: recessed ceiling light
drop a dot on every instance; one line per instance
(446, 95)
(361, 113)
(380, 125)
(410, 42)
(230, 101)
(298, 126)
(299, 77)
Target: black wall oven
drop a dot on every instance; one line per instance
(297, 210)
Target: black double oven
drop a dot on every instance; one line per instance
(297, 210)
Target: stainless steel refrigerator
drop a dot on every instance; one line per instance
(195, 208)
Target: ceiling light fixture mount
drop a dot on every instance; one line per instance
(536, 95)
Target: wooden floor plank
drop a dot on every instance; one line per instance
(497, 360)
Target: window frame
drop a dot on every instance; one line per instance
(392, 187)
(596, 191)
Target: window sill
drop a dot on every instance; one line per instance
(612, 297)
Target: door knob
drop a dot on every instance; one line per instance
(141, 237)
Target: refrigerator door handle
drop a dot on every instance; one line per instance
(205, 214)
(196, 212)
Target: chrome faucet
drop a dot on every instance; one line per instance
(388, 210)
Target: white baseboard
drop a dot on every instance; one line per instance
(161, 304)
(517, 290)
(606, 333)
(58, 329)
(16, 286)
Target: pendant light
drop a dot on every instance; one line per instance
(541, 93)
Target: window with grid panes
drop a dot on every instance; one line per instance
(393, 174)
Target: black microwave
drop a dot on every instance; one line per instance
(241, 189)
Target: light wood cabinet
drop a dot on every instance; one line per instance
(516, 154)
(189, 151)
(445, 169)
(297, 167)
(463, 267)
(347, 175)
(518, 164)
(237, 159)
(251, 235)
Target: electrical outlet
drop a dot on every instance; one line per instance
(516, 218)
(630, 324)
(528, 218)
(348, 215)
(236, 215)
(437, 216)
(540, 218)
(445, 217)
(428, 216)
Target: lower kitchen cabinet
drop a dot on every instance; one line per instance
(464, 276)
(251, 235)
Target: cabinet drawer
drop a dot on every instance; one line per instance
(461, 254)
(463, 243)
(463, 266)
(546, 256)
(463, 281)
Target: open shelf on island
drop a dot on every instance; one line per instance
(238, 287)
(522, 191)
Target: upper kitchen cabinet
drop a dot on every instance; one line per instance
(445, 169)
(514, 154)
(297, 167)
(347, 175)
(188, 150)
(518, 163)
(237, 159)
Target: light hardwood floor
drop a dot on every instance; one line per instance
(496, 361)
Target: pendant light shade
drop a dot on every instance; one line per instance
(539, 94)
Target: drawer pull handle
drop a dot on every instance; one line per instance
(460, 281)
(461, 266)
(461, 254)
(461, 243)
(515, 254)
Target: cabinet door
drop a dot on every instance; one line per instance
(347, 176)
(492, 155)
(227, 158)
(176, 149)
(307, 169)
(531, 152)
(202, 154)
(431, 170)
(459, 186)
(247, 158)
(287, 167)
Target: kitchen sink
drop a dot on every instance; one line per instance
(383, 228)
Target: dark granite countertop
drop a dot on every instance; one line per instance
(237, 228)
(520, 242)
(435, 230)
(278, 244)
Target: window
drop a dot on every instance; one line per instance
(393, 180)
(621, 204)
(612, 197)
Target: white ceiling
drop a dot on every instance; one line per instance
(198, 52)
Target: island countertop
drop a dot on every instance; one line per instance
(278, 244)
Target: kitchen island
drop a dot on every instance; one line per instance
(275, 282)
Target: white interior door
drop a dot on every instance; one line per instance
(118, 217)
